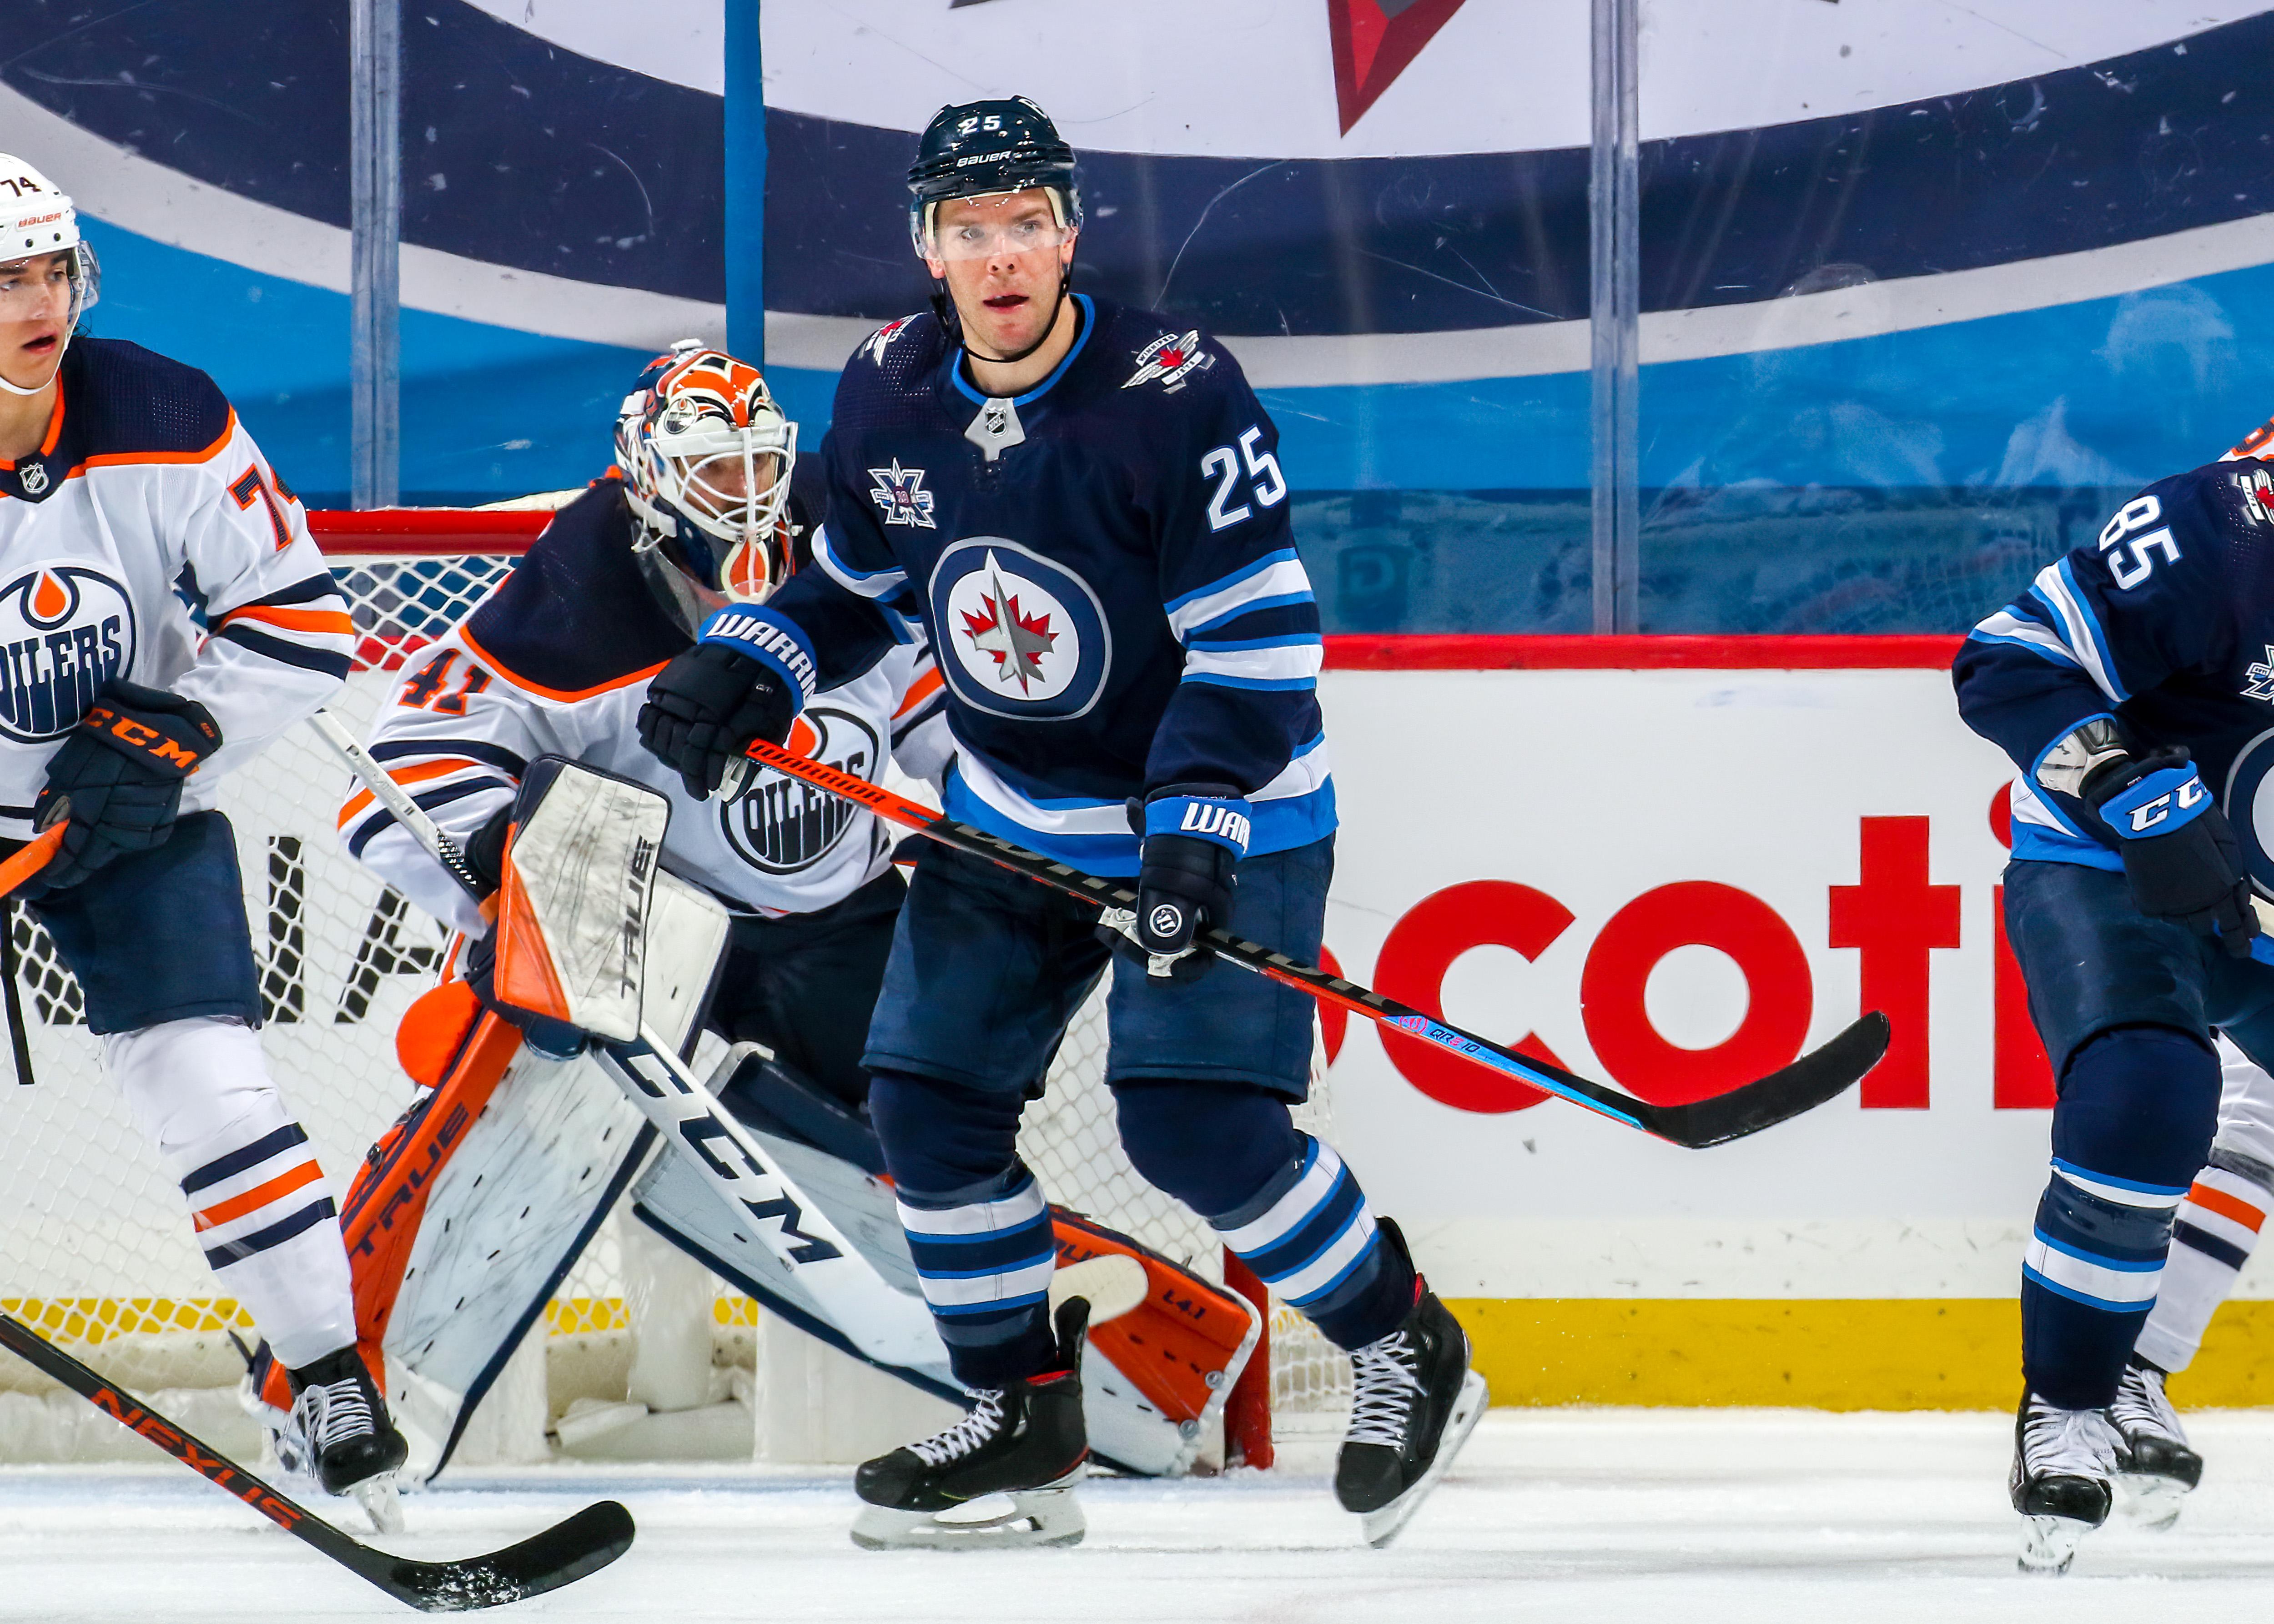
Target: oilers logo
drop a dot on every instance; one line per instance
(1024, 636)
(66, 629)
(780, 826)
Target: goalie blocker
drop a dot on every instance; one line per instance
(469, 1212)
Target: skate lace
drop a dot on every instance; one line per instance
(331, 1412)
(1383, 1387)
(2142, 1405)
(966, 1435)
(2066, 1442)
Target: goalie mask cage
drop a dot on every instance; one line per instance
(95, 1244)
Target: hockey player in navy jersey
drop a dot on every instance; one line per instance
(2132, 684)
(122, 474)
(1082, 508)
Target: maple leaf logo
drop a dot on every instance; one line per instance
(1015, 641)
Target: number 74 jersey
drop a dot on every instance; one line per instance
(2163, 621)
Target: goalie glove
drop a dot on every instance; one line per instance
(2180, 854)
(1193, 836)
(554, 1040)
(704, 709)
(121, 771)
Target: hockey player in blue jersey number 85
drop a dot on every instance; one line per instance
(1081, 505)
(2133, 686)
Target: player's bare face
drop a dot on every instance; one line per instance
(35, 304)
(1002, 257)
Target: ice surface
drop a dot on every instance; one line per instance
(1653, 1516)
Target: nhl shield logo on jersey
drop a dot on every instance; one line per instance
(1170, 358)
(781, 825)
(900, 494)
(66, 629)
(1025, 636)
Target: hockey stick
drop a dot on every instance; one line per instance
(1807, 1082)
(562, 1554)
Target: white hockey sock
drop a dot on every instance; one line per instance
(2212, 1236)
(200, 1090)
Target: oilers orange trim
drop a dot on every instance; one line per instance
(259, 1196)
(568, 696)
(55, 427)
(112, 459)
(2227, 1207)
(330, 622)
(358, 802)
(923, 688)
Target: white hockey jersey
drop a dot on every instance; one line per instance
(147, 498)
(556, 660)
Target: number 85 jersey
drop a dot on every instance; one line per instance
(2165, 621)
(1103, 566)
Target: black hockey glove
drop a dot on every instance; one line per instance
(1193, 837)
(121, 770)
(2179, 853)
(484, 850)
(555, 1039)
(704, 709)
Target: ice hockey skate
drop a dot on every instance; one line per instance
(2064, 1460)
(2153, 1465)
(1414, 1402)
(1024, 1442)
(344, 1435)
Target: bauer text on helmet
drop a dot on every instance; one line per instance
(982, 148)
(47, 276)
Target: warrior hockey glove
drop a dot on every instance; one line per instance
(555, 1039)
(122, 769)
(704, 709)
(1193, 837)
(2179, 853)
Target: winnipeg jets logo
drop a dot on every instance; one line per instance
(2257, 488)
(1169, 358)
(1016, 641)
(874, 345)
(2258, 680)
(899, 492)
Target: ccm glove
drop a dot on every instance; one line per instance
(704, 709)
(2179, 853)
(1193, 837)
(121, 770)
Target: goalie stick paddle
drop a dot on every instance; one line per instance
(1807, 1082)
(562, 1554)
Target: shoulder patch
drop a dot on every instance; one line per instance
(874, 345)
(1170, 359)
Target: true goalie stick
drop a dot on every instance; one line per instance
(1807, 1082)
(561, 1556)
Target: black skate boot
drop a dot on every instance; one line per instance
(1026, 1442)
(1413, 1403)
(338, 1410)
(2063, 1463)
(2153, 1462)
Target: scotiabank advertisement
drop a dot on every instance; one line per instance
(1674, 880)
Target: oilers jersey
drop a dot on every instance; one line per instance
(146, 504)
(2165, 621)
(556, 660)
(1102, 565)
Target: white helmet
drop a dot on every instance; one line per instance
(706, 455)
(37, 219)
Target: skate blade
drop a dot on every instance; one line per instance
(2049, 1544)
(2151, 1502)
(1044, 1516)
(1385, 1524)
(380, 1502)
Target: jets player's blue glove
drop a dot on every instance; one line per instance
(2179, 853)
(121, 770)
(704, 709)
(1193, 837)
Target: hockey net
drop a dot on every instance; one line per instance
(95, 1247)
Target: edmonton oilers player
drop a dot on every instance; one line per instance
(1081, 505)
(125, 473)
(2132, 684)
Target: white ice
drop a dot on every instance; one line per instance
(1653, 1516)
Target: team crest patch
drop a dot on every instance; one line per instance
(1170, 358)
(782, 825)
(2257, 488)
(900, 494)
(1025, 636)
(66, 629)
(874, 345)
(2258, 678)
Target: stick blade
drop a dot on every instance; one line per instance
(562, 1554)
(1820, 1075)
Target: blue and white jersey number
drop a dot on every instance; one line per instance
(1017, 634)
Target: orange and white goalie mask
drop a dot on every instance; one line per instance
(706, 456)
